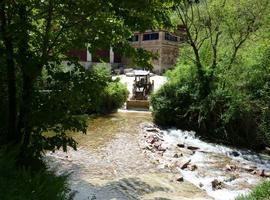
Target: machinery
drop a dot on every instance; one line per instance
(142, 88)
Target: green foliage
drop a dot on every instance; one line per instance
(24, 184)
(35, 38)
(114, 97)
(261, 192)
(220, 88)
(62, 96)
(236, 114)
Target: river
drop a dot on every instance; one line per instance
(112, 162)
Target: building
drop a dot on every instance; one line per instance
(164, 44)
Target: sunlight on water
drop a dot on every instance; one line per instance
(109, 163)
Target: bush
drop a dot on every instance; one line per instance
(24, 184)
(114, 96)
(62, 96)
(261, 192)
(234, 114)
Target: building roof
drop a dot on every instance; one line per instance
(141, 73)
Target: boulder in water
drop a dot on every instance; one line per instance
(234, 153)
(160, 148)
(230, 167)
(264, 174)
(217, 185)
(146, 125)
(177, 155)
(192, 167)
(192, 148)
(152, 129)
(250, 168)
(181, 145)
(180, 179)
(266, 150)
(185, 164)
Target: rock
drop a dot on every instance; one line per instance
(152, 129)
(230, 167)
(193, 148)
(180, 179)
(160, 148)
(181, 145)
(250, 168)
(264, 174)
(217, 185)
(157, 145)
(192, 167)
(234, 153)
(177, 155)
(200, 185)
(266, 150)
(254, 172)
(186, 152)
(146, 125)
(231, 178)
(185, 165)
(152, 141)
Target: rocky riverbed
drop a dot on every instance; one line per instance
(222, 172)
(110, 164)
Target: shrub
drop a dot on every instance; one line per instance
(261, 192)
(114, 96)
(62, 96)
(233, 114)
(24, 184)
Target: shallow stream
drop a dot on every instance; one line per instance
(111, 164)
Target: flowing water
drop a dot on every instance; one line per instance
(235, 171)
(110, 163)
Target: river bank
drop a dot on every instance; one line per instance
(110, 164)
(124, 156)
(223, 172)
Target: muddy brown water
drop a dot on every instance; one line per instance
(109, 164)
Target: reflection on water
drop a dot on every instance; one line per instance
(102, 129)
(109, 163)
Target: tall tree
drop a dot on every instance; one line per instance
(37, 34)
(216, 32)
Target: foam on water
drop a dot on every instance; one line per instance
(210, 160)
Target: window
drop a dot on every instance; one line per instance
(151, 36)
(170, 37)
(134, 38)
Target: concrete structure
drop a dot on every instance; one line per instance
(162, 43)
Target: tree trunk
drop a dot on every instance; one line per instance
(25, 112)
(11, 77)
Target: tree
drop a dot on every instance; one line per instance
(36, 35)
(216, 32)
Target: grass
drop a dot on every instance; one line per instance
(25, 184)
(261, 192)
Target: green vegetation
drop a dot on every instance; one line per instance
(261, 192)
(38, 94)
(220, 87)
(35, 38)
(24, 184)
